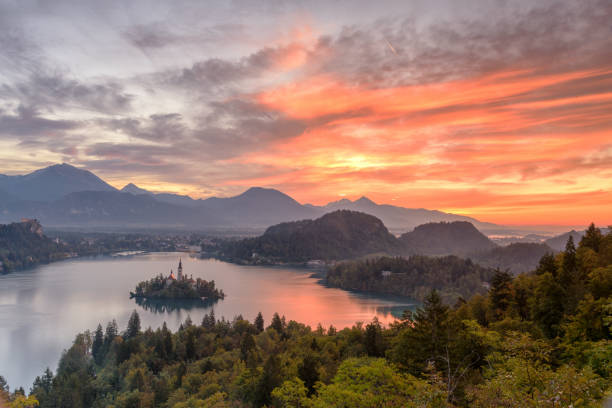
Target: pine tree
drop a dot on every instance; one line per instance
(247, 343)
(97, 346)
(373, 339)
(167, 341)
(270, 379)
(111, 332)
(308, 371)
(547, 264)
(592, 238)
(423, 340)
(277, 324)
(259, 322)
(568, 271)
(133, 327)
(501, 292)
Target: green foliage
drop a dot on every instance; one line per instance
(535, 340)
(373, 382)
(22, 244)
(415, 277)
(338, 235)
(160, 288)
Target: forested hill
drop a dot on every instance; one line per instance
(415, 277)
(535, 340)
(446, 238)
(338, 235)
(519, 257)
(23, 244)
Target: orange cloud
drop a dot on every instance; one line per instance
(508, 147)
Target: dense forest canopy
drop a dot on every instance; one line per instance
(415, 276)
(161, 287)
(445, 238)
(341, 234)
(541, 339)
(22, 244)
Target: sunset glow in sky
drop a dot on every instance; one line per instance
(501, 110)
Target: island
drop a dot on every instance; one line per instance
(178, 287)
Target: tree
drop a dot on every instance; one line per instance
(259, 322)
(547, 264)
(568, 269)
(373, 382)
(277, 324)
(167, 341)
(42, 387)
(97, 346)
(247, 343)
(20, 401)
(133, 327)
(209, 320)
(547, 304)
(374, 342)
(501, 292)
(111, 332)
(270, 379)
(424, 338)
(291, 394)
(4, 389)
(592, 238)
(308, 371)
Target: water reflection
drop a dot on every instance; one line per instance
(172, 305)
(393, 311)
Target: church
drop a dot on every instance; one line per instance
(180, 277)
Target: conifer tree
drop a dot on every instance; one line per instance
(568, 270)
(133, 327)
(592, 238)
(97, 345)
(259, 322)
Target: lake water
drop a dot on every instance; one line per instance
(42, 309)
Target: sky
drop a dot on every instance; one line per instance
(499, 109)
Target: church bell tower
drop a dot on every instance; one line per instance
(180, 269)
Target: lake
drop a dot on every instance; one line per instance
(42, 309)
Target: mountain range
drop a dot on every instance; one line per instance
(65, 196)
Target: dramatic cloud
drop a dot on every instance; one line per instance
(500, 110)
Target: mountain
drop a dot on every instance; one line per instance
(114, 208)
(169, 198)
(558, 243)
(44, 194)
(52, 183)
(338, 235)
(134, 189)
(23, 244)
(401, 218)
(257, 207)
(519, 257)
(445, 238)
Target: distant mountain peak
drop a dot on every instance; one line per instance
(263, 192)
(364, 201)
(53, 182)
(134, 189)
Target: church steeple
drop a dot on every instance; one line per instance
(180, 269)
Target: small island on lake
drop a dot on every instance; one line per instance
(178, 287)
